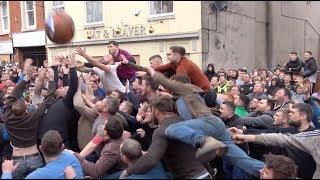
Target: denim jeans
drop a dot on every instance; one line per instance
(232, 172)
(27, 166)
(192, 132)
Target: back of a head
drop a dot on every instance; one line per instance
(178, 49)
(245, 100)
(112, 104)
(19, 107)
(282, 166)
(162, 103)
(113, 42)
(114, 128)
(131, 149)
(51, 143)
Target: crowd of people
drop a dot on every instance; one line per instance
(110, 118)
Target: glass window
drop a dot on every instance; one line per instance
(161, 7)
(57, 5)
(94, 11)
(29, 13)
(4, 16)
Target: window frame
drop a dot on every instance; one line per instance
(5, 31)
(161, 14)
(24, 14)
(98, 23)
(58, 7)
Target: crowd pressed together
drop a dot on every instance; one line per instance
(111, 118)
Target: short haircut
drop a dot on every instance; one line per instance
(114, 128)
(285, 112)
(121, 95)
(51, 143)
(231, 106)
(162, 103)
(309, 52)
(113, 42)
(270, 103)
(184, 78)
(139, 79)
(129, 107)
(19, 107)
(282, 166)
(155, 56)
(112, 105)
(245, 100)
(305, 109)
(178, 49)
(293, 52)
(287, 92)
(243, 70)
(150, 82)
(131, 149)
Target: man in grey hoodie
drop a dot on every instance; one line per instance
(263, 118)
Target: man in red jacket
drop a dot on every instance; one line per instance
(182, 65)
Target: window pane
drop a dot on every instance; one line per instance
(57, 3)
(30, 18)
(89, 7)
(5, 23)
(29, 5)
(4, 8)
(98, 11)
(167, 6)
(159, 7)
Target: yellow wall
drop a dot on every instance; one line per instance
(187, 19)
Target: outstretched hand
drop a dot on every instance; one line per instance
(81, 51)
(124, 60)
(8, 167)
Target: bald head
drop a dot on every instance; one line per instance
(131, 149)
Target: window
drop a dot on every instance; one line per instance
(161, 7)
(94, 12)
(57, 5)
(29, 14)
(4, 16)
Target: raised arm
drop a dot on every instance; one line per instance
(73, 87)
(40, 82)
(94, 62)
(81, 107)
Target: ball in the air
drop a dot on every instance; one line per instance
(59, 27)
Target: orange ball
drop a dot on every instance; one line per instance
(59, 27)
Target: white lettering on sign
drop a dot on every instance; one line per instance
(124, 32)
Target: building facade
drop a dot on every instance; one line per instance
(22, 32)
(143, 28)
(247, 34)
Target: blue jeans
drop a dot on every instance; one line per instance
(192, 132)
(232, 172)
(27, 166)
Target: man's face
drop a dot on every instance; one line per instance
(306, 56)
(263, 106)
(107, 59)
(254, 104)
(155, 62)
(100, 106)
(266, 173)
(295, 117)
(234, 91)
(241, 74)
(174, 57)
(144, 88)
(149, 116)
(257, 88)
(237, 100)
(136, 85)
(214, 81)
(112, 49)
(278, 118)
(246, 78)
(292, 57)
(225, 112)
(116, 95)
(279, 96)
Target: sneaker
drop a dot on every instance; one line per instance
(210, 149)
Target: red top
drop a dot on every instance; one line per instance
(186, 66)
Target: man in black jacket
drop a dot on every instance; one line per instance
(294, 65)
(60, 113)
(310, 69)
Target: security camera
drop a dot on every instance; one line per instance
(136, 12)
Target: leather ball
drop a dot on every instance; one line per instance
(59, 27)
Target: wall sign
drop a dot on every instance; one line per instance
(123, 32)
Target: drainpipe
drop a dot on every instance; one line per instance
(268, 36)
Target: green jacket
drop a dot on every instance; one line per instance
(241, 111)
